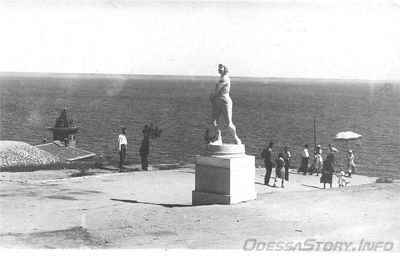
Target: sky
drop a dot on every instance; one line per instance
(305, 38)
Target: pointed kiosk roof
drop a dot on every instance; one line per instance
(65, 123)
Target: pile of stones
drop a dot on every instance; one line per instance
(16, 153)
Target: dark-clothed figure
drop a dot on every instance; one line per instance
(327, 170)
(122, 147)
(267, 154)
(144, 151)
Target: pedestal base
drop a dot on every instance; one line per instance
(205, 198)
(224, 178)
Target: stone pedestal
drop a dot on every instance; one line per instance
(224, 175)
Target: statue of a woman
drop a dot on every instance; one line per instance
(222, 104)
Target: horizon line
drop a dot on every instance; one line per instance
(65, 74)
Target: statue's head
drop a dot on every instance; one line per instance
(223, 69)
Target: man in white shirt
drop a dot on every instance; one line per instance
(122, 146)
(304, 160)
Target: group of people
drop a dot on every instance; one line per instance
(222, 106)
(143, 151)
(282, 164)
(325, 167)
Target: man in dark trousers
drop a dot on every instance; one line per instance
(267, 154)
(304, 160)
(122, 146)
(144, 151)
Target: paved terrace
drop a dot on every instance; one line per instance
(153, 210)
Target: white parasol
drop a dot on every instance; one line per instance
(346, 136)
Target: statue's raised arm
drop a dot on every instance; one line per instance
(222, 104)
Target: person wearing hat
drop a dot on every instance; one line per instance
(122, 147)
(351, 167)
(222, 104)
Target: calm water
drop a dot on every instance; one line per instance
(264, 110)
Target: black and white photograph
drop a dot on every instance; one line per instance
(264, 126)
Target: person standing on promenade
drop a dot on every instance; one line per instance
(332, 152)
(304, 160)
(286, 157)
(279, 170)
(222, 105)
(122, 147)
(351, 166)
(267, 154)
(144, 151)
(318, 161)
(327, 170)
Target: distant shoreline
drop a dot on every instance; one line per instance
(182, 77)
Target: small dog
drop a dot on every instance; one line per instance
(342, 180)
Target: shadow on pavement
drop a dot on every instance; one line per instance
(271, 186)
(163, 205)
(311, 186)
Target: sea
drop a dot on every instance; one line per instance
(281, 110)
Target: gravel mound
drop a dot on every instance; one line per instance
(16, 153)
